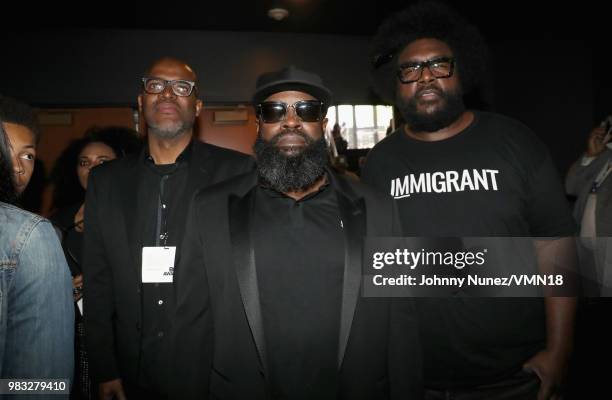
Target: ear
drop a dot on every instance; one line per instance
(140, 104)
(324, 125)
(199, 106)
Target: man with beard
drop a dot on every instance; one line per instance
(460, 172)
(268, 306)
(134, 217)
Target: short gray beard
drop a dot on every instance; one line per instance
(171, 132)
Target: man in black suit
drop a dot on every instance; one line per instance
(269, 305)
(134, 217)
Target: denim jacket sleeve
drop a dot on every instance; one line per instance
(39, 320)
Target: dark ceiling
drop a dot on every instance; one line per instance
(505, 19)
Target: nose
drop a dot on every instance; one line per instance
(18, 166)
(168, 92)
(291, 118)
(426, 75)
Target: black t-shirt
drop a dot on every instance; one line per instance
(299, 253)
(495, 178)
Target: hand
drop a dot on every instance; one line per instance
(77, 287)
(550, 368)
(596, 143)
(111, 390)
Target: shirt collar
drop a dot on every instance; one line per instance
(183, 158)
(273, 193)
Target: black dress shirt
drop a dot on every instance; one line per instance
(162, 217)
(299, 255)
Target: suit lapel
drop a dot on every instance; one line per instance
(353, 214)
(240, 213)
(198, 176)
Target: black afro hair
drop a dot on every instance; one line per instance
(432, 20)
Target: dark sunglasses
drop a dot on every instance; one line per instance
(276, 111)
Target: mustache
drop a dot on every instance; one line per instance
(163, 102)
(430, 88)
(290, 131)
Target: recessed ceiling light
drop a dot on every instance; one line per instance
(278, 13)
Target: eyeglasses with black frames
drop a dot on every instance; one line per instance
(441, 67)
(182, 88)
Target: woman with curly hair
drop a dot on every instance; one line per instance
(98, 146)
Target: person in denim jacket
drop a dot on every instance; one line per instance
(36, 311)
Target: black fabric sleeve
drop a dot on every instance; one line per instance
(192, 329)
(98, 304)
(404, 351)
(371, 174)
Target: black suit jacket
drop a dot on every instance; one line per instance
(219, 350)
(112, 254)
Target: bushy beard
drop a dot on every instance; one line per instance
(290, 172)
(418, 121)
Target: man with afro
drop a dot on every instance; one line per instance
(460, 172)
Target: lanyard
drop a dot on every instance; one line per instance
(162, 216)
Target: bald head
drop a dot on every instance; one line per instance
(166, 63)
(170, 113)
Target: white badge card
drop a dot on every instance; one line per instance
(158, 264)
